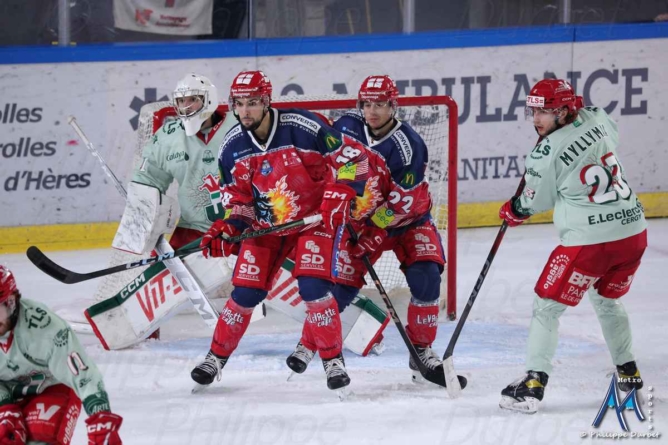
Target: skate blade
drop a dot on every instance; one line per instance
(529, 406)
(343, 393)
(292, 374)
(198, 388)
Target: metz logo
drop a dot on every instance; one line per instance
(154, 293)
(611, 400)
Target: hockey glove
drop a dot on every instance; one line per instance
(12, 426)
(213, 241)
(335, 205)
(369, 241)
(507, 213)
(103, 428)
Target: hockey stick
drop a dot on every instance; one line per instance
(46, 265)
(448, 366)
(393, 313)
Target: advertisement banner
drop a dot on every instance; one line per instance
(173, 17)
(47, 174)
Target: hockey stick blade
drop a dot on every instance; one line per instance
(451, 379)
(46, 265)
(437, 379)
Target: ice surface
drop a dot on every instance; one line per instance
(254, 404)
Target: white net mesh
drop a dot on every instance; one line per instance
(428, 116)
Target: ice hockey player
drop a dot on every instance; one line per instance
(575, 169)
(182, 150)
(45, 375)
(279, 166)
(400, 221)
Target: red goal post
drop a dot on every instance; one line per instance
(435, 119)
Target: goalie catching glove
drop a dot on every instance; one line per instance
(214, 242)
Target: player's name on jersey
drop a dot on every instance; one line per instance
(588, 139)
(627, 216)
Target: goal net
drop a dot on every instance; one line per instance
(434, 118)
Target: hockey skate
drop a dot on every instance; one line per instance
(435, 368)
(628, 377)
(525, 393)
(206, 372)
(299, 360)
(337, 377)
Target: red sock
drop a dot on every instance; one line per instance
(307, 337)
(231, 326)
(422, 323)
(324, 324)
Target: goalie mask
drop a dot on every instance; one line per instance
(195, 99)
(550, 96)
(9, 296)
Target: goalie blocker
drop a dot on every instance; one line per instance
(154, 297)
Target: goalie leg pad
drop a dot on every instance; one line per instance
(148, 214)
(52, 415)
(212, 274)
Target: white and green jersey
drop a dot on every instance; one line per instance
(42, 351)
(576, 171)
(193, 163)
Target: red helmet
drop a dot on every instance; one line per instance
(378, 89)
(553, 94)
(7, 283)
(251, 84)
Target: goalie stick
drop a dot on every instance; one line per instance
(397, 321)
(49, 267)
(200, 301)
(448, 366)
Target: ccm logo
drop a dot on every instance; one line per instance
(335, 195)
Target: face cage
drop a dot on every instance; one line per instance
(266, 103)
(202, 96)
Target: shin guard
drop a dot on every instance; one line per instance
(324, 324)
(231, 326)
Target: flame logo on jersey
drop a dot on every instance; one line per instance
(364, 205)
(278, 205)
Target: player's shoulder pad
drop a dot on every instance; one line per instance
(231, 141)
(303, 120)
(350, 123)
(34, 317)
(408, 142)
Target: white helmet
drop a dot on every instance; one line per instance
(206, 94)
